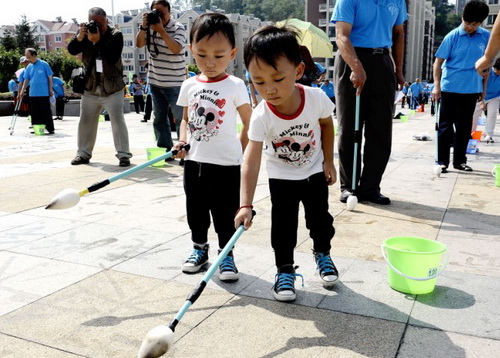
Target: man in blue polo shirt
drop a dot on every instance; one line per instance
(39, 76)
(458, 84)
(416, 89)
(367, 33)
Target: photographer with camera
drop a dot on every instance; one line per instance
(101, 48)
(164, 39)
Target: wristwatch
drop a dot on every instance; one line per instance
(143, 28)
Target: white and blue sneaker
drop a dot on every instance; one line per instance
(327, 270)
(227, 269)
(284, 286)
(197, 260)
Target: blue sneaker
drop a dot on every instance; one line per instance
(197, 260)
(227, 269)
(284, 287)
(327, 270)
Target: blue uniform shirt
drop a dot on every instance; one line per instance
(460, 52)
(38, 73)
(372, 20)
(328, 89)
(493, 86)
(13, 86)
(58, 87)
(416, 89)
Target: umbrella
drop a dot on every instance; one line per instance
(312, 37)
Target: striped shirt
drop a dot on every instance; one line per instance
(167, 69)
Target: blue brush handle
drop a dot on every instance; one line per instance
(356, 145)
(105, 182)
(208, 275)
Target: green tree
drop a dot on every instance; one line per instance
(61, 62)
(8, 42)
(9, 63)
(231, 6)
(24, 35)
(276, 10)
(446, 20)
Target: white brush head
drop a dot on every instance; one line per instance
(437, 170)
(64, 200)
(158, 342)
(352, 201)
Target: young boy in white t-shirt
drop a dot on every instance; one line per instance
(212, 101)
(296, 125)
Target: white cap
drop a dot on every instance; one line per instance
(23, 59)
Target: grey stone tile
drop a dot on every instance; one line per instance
(82, 244)
(24, 279)
(364, 290)
(251, 327)
(11, 347)
(429, 343)
(461, 303)
(108, 314)
(36, 230)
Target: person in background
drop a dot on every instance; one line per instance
(138, 93)
(13, 86)
(59, 94)
(165, 41)
(101, 51)
(490, 103)
(416, 90)
(38, 75)
(405, 89)
(486, 61)
(369, 64)
(458, 85)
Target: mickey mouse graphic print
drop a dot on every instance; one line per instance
(293, 143)
(212, 118)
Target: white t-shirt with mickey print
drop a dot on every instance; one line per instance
(212, 112)
(292, 143)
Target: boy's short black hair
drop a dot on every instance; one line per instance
(475, 11)
(270, 43)
(209, 24)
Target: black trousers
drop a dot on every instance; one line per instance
(60, 107)
(376, 112)
(41, 113)
(286, 196)
(139, 103)
(455, 125)
(148, 108)
(211, 189)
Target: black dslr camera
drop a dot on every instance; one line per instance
(154, 17)
(92, 27)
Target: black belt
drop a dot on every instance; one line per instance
(373, 51)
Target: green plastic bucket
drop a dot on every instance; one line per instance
(155, 153)
(413, 263)
(39, 129)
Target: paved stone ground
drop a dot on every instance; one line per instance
(92, 280)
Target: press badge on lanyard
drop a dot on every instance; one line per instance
(98, 65)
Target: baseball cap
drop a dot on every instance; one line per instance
(23, 59)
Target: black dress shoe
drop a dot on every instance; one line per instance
(344, 195)
(463, 167)
(79, 160)
(124, 162)
(376, 198)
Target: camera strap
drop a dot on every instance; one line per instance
(148, 42)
